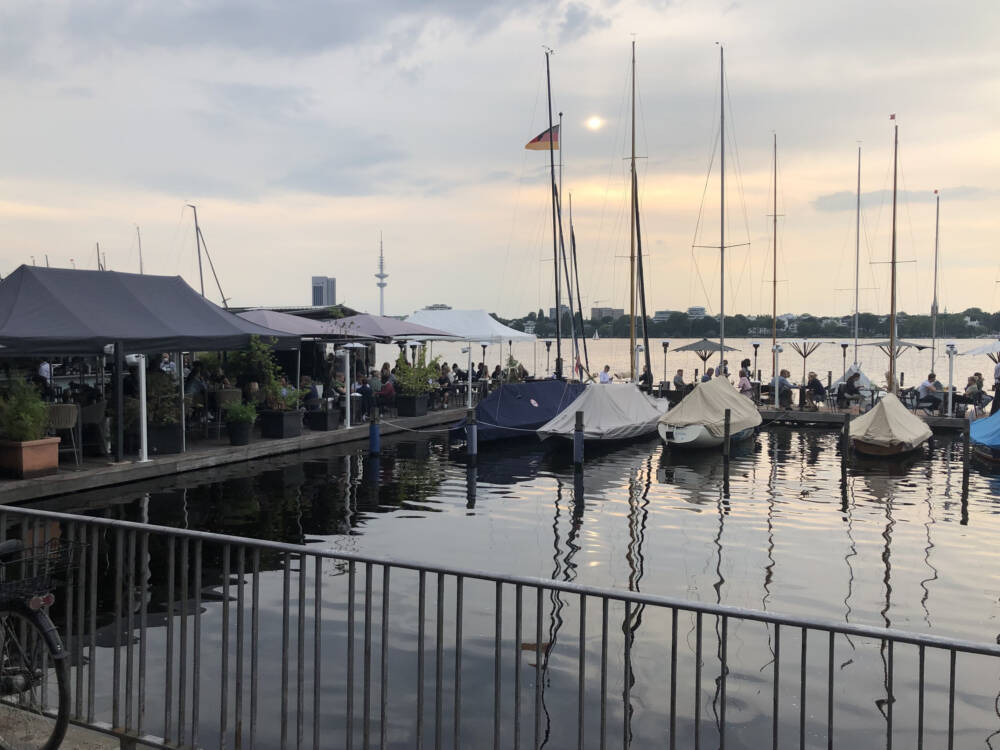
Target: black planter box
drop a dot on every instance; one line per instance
(280, 424)
(239, 432)
(321, 421)
(163, 438)
(411, 406)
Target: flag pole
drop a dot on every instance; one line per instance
(555, 233)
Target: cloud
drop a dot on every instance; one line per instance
(845, 200)
(579, 21)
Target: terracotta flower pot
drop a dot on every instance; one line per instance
(33, 458)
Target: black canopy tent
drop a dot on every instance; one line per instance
(61, 311)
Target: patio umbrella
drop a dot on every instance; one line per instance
(377, 326)
(805, 347)
(705, 349)
(991, 350)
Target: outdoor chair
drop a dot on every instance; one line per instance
(66, 418)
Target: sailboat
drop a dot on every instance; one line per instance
(515, 410)
(617, 411)
(889, 429)
(697, 421)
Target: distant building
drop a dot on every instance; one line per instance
(529, 326)
(600, 313)
(564, 309)
(696, 313)
(324, 291)
(438, 306)
(662, 316)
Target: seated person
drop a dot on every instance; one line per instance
(928, 395)
(445, 382)
(497, 373)
(851, 393)
(708, 375)
(744, 386)
(219, 379)
(386, 397)
(311, 398)
(815, 391)
(646, 379)
(785, 387)
(678, 381)
(367, 398)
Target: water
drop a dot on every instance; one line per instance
(827, 358)
(892, 546)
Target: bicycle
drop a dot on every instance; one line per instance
(34, 712)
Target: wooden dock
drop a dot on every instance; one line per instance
(835, 419)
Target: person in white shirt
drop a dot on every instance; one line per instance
(928, 391)
(606, 374)
(167, 365)
(45, 371)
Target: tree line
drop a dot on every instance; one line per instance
(680, 325)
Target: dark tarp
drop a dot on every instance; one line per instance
(518, 409)
(66, 311)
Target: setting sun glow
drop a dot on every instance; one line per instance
(595, 123)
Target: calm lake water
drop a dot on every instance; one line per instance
(890, 546)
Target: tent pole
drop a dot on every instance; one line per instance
(298, 366)
(143, 444)
(180, 379)
(119, 402)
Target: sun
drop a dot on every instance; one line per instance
(594, 123)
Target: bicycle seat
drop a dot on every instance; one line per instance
(10, 548)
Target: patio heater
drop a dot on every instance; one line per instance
(756, 346)
(843, 349)
(484, 345)
(548, 347)
(951, 351)
(777, 349)
(666, 345)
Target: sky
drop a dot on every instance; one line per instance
(304, 131)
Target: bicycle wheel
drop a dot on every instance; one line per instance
(34, 687)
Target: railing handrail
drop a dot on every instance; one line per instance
(635, 597)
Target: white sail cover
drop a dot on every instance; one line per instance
(890, 423)
(706, 405)
(610, 412)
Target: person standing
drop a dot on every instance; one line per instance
(606, 374)
(744, 385)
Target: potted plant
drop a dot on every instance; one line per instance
(25, 451)
(239, 420)
(414, 384)
(163, 414)
(281, 418)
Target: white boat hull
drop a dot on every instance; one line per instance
(695, 436)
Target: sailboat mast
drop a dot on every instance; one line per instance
(138, 236)
(857, 259)
(576, 276)
(892, 295)
(631, 275)
(934, 302)
(555, 233)
(774, 268)
(722, 206)
(197, 239)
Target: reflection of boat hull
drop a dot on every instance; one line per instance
(884, 451)
(987, 456)
(696, 436)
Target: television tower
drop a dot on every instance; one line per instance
(381, 276)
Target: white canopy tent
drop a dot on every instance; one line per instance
(469, 325)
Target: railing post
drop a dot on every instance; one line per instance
(578, 441)
(375, 434)
(471, 435)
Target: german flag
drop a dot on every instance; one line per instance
(541, 141)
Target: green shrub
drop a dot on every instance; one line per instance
(413, 380)
(237, 413)
(162, 399)
(23, 414)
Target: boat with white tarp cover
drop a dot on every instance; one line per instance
(888, 429)
(611, 411)
(698, 421)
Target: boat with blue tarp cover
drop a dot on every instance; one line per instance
(518, 409)
(985, 437)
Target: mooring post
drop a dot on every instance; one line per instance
(829, 378)
(902, 379)
(471, 435)
(578, 441)
(725, 436)
(965, 459)
(375, 434)
(845, 436)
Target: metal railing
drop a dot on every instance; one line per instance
(192, 639)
